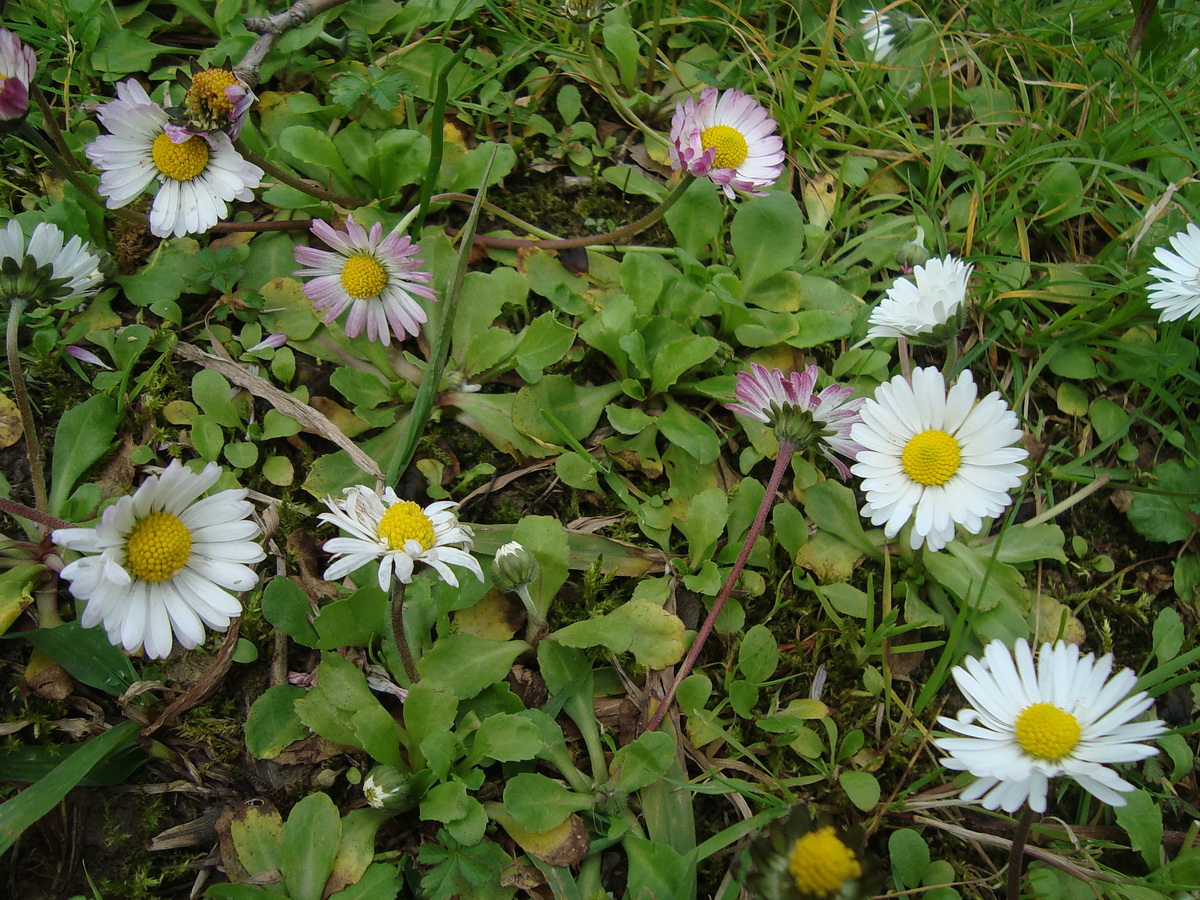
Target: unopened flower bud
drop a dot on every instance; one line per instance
(913, 253)
(514, 567)
(389, 787)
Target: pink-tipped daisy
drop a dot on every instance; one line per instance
(729, 139)
(17, 65)
(375, 277)
(800, 416)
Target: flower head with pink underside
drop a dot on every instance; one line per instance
(377, 278)
(17, 65)
(799, 415)
(729, 139)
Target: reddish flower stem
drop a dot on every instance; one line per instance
(786, 450)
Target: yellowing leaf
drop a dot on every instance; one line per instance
(10, 422)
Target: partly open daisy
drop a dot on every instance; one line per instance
(729, 139)
(1177, 292)
(877, 34)
(165, 561)
(197, 178)
(926, 308)
(17, 65)
(937, 458)
(805, 419)
(216, 100)
(374, 276)
(399, 534)
(47, 270)
(1026, 725)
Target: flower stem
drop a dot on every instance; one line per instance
(400, 636)
(902, 349)
(32, 446)
(620, 107)
(786, 450)
(21, 510)
(1016, 856)
(293, 181)
(48, 120)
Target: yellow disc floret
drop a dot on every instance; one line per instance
(1046, 732)
(363, 277)
(182, 161)
(731, 145)
(931, 457)
(403, 522)
(207, 94)
(820, 863)
(159, 546)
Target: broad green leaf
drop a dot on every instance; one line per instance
(704, 524)
(1141, 817)
(641, 627)
(354, 622)
(342, 709)
(1168, 635)
(256, 832)
(273, 722)
(505, 738)
(690, 433)
(539, 803)
(642, 761)
(544, 343)
(546, 539)
(696, 218)
(379, 882)
(677, 357)
(909, 856)
(464, 664)
(84, 434)
(429, 709)
(861, 787)
(287, 607)
(16, 592)
(356, 850)
(767, 235)
(87, 655)
(758, 655)
(210, 390)
(832, 506)
(311, 836)
(1168, 514)
(314, 148)
(975, 578)
(577, 408)
(657, 869)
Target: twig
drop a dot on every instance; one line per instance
(206, 685)
(270, 28)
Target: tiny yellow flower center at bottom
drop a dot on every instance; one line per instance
(820, 863)
(403, 522)
(182, 161)
(731, 145)
(363, 277)
(931, 457)
(158, 547)
(1046, 732)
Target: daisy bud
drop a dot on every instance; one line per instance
(390, 787)
(514, 567)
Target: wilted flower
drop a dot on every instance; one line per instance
(399, 534)
(197, 177)
(1025, 725)
(926, 309)
(728, 139)
(270, 342)
(375, 277)
(164, 561)
(84, 355)
(1177, 292)
(801, 417)
(17, 65)
(216, 100)
(47, 270)
(937, 458)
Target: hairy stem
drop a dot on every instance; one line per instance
(400, 636)
(1016, 855)
(21, 396)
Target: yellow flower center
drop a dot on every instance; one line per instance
(405, 521)
(1046, 732)
(182, 161)
(732, 148)
(159, 547)
(207, 92)
(820, 863)
(931, 457)
(363, 277)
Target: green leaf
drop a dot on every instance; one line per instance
(286, 606)
(356, 850)
(696, 218)
(354, 622)
(641, 627)
(539, 803)
(1168, 635)
(342, 709)
(832, 506)
(256, 832)
(974, 577)
(909, 855)
(465, 664)
(210, 390)
(690, 433)
(677, 357)
(23, 810)
(767, 235)
(1167, 514)
(1141, 817)
(642, 761)
(861, 787)
(544, 343)
(314, 147)
(429, 709)
(445, 802)
(657, 869)
(704, 524)
(819, 326)
(505, 738)
(309, 847)
(87, 655)
(273, 722)
(546, 539)
(401, 158)
(379, 882)
(578, 408)
(84, 434)
(758, 655)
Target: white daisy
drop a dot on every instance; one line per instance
(798, 414)
(728, 139)
(374, 276)
(911, 309)
(877, 34)
(165, 561)
(398, 533)
(1026, 725)
(197, 178)
(936, 458)
(74, 271)
(17, 65)
(1177, 292)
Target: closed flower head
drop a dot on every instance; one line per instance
(17, 65)
(47, 269)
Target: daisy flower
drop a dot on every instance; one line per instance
(1026, 725)
(926, 305)
(807, 858)
(789, 405)
(17, 65)
(1177, 292)
(374, 276)
(877, 34)
(216, 100)
(399, 534)
(937, 458)
(197, 177)
(729, 139)
(164, 561)
(47, 269)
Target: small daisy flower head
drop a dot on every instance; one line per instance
(799, 415)
(398, 534)
(1176, 293)
(17, 65)
(377, 278)
(216, 100)
(1027, 724)
(390, 787)
(935, 457)
(162, 561)
(49, 269)
(877, 34)
(729, 139)
(197, 177)
(802, 858)
(514, 567)
(928, 309)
